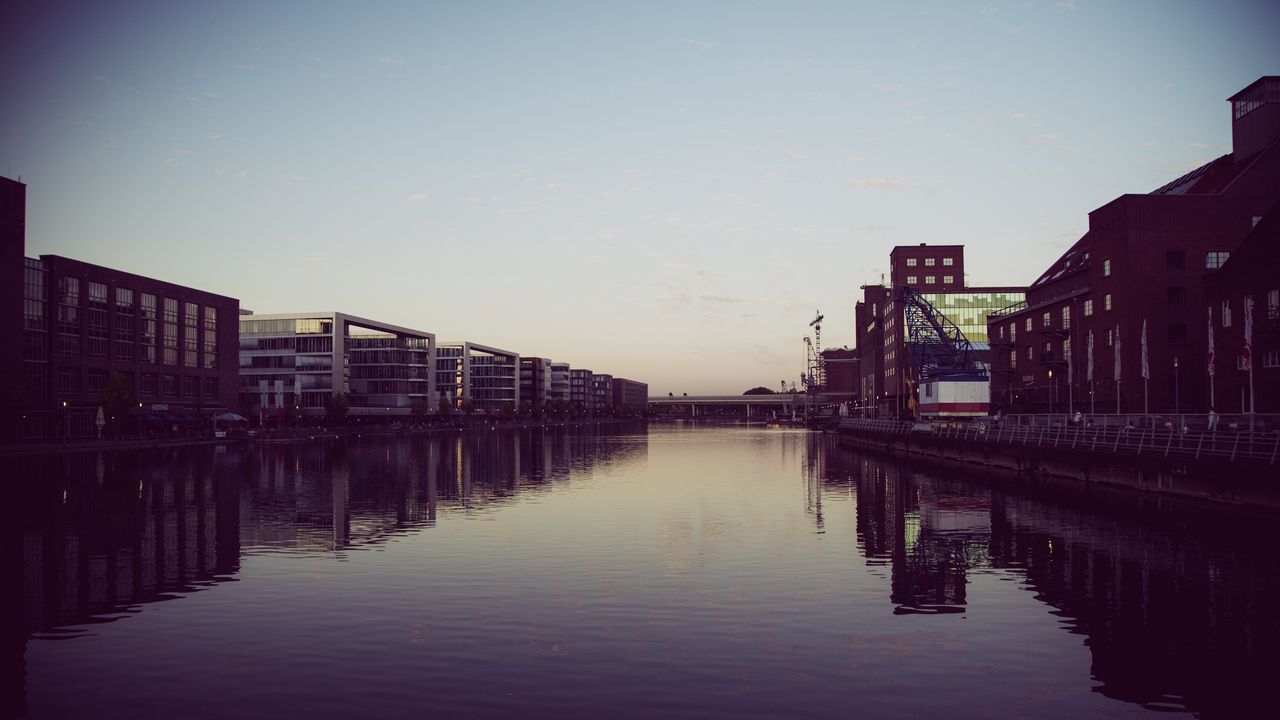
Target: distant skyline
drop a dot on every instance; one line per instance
(660, 191)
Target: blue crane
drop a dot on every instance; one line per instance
(939, 347)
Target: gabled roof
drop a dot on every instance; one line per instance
(1207, 179)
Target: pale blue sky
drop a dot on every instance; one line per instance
(664, 191)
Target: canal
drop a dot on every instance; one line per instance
(674, 570)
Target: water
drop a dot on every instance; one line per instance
(679, 571)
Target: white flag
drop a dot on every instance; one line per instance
(1117, 350)
(1090, 356)
(1146, 370)
(1211, 353)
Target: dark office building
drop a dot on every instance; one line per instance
(630, 394)
(842, 373)
(170, 350)
(535, 381)
(1145, 260)
(869, 343)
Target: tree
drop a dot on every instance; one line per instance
(759, 390)
(420, 408)
(445, 407)
(336, 407)
(116, 398)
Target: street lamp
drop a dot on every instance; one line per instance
(1177, 406)
(1050, 392)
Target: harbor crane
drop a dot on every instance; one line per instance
(817, 370)
(953, 380)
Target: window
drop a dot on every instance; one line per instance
(1240, 363)
(1177, 334)
(1175, 259)
(1226, 313)
(1177, 295)
(68, 380)
(929, 279)
(190, 334)
(1013, 359)
(1013, 331)
(1271, 358)
(948, 279)
(1066, 348)
(147, 388)
(1273, 304)
(1030, 352)
(1046, 320)
(929, 262)
(147, 329)
(911, 279)
(210, 338)
(169, 386)
(1106, 301)
(1214, 259)
(1027, 325)
(948, 262)
(1066, 318)
(1088, 308)
(97, 380)
(1111, 337)
(911, 262)
(1106, 268)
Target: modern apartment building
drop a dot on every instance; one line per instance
(483, 377)
(1144, 263)
(580, 387)
(292, 364)
(560, 382)
(167, 349)
(535, 381)
(601, 393)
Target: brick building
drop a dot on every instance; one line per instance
(1143, 261)
(174, 348)
(1252, 272)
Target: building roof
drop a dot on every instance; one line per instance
(1249, 88)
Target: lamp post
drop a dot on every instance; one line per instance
(1051, 392)
(66, 422)
(1177, 406)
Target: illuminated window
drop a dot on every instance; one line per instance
(1215, 259)
(1013, 331)
(948, 279)
(1273, 304)
(911, 262)
(929, 279)
(1030, 350)
(1111, 337)
(911, 279)
(948, 262)
(1046, 320)
(1027, 325)
(1088, 308)
(1066, 318)
(929, 262)
(1106, 301)
(1226, 313)
(1013, 359)
(1106, 267)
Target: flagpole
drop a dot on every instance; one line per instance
(1212, 404)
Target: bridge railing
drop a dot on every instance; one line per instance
(1147, 442)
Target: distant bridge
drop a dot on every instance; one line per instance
(781, 403)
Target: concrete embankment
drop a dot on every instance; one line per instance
(292, 435)
(1220, 468)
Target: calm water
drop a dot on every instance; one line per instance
(678, 571)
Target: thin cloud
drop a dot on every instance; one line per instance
(1066, 5)
(699, 44)
(797, 154)
(416, 198)
(721, 299)
(389, 60)
(1200, 145)
(880, 182)
(215, 135)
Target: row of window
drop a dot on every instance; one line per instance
(73, 381)
(931, 280)
(931, 262)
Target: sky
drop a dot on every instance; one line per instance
(661, 191)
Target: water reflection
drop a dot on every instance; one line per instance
(90, 539)
(539, 570)
(1177, 601)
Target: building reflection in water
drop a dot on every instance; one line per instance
(1177, 602)
(88, 539)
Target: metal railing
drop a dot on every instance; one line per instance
(1123, 440)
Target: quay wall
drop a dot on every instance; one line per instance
(1243, 482)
